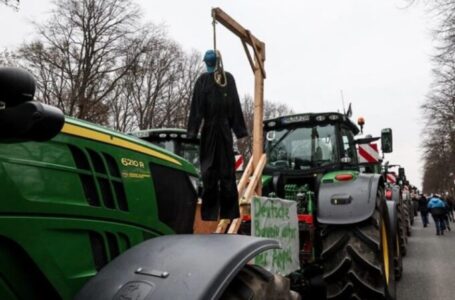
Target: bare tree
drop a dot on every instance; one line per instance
(271, 110)
(439, 107)
(158, 87)
(11, 3)
(84, 49)
(191, 68)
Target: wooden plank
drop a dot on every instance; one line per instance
(245, 178)
(235, 27)
(201, 226)
(258, 142)
(257, 54)
(245, 201)
(248, 55)
(222, 226)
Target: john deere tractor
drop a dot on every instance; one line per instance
(89, 213)
(346, 244)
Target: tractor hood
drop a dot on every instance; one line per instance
(91, 131)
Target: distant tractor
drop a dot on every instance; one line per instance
(174, 140)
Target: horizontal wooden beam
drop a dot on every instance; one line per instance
(219, 15)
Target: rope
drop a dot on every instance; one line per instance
(219, 74)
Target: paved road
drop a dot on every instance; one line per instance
(429, 266)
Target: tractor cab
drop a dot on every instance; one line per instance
(174, 140)
(302, 148)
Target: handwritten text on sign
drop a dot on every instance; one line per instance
(277, 219)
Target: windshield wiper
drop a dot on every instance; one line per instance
(281, 139)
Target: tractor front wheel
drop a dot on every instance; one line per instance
(358, 259)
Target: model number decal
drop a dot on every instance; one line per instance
(127, 162)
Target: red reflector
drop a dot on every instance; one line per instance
(246, 218)
(388, 194)
(305, 218)
(344, 177)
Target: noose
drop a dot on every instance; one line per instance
(219, 75)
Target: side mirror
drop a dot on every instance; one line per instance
(21, 118)
(386, 140)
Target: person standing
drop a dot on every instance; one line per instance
(450, 203)
(217, 107)
(438, 210)
(446, 215)
(423, 208)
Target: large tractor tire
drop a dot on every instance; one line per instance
(398, 259)
(411, 213)
(407, 218)
(253, 282)
(402, 234)
(358, 259)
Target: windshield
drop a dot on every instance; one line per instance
(166, 144)
(190, 151)
(301, 148)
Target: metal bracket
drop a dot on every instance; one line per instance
(154, 273)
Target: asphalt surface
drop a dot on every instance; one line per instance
(429, 266)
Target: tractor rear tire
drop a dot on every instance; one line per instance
(398, 259)
(254, 282)
(403, 239)
(407, 219)
(411, 212)
(358, 258)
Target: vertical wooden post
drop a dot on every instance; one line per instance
(258, 135)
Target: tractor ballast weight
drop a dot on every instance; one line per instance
(352, 202)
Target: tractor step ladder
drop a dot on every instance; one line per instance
(246, 188)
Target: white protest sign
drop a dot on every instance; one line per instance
(276, 219)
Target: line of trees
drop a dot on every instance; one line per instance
(439, 107)
(10, 3)
(98, 61)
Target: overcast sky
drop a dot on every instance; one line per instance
(377, 51)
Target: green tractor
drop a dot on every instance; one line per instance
(89, 213)
(346, 244)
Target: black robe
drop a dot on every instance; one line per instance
(218, 109)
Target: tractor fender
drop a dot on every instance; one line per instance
(348, 202)
(175, 267)
(393, 218)
(396, 193)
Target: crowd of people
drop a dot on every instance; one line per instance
(439, 207)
